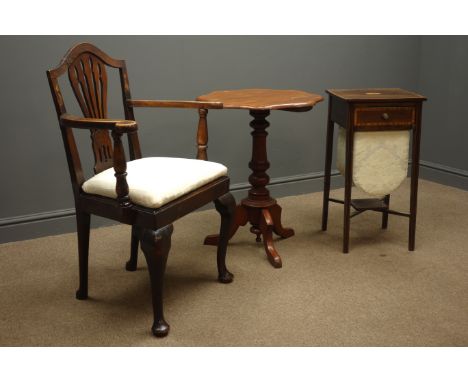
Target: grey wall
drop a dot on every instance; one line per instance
(443, 78)
(36, 199)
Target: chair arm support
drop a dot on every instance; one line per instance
(174, 104)
(120, 168)
(202, 135)
(120, 125)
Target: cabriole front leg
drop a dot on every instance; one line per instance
(155, 246)
(240, 219)
(226, 206)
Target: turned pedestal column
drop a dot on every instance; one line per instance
(259, 208)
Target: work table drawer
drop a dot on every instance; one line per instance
(375, 116)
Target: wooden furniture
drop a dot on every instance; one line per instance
(259, 208)
(372, 110)
(152, 227)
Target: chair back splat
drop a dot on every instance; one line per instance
(86, 68)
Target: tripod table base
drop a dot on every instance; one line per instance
(265, 220)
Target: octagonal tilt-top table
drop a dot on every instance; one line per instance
(259, 208)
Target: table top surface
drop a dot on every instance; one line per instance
(263, 99)
(376, 94)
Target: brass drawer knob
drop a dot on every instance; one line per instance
(385, 117)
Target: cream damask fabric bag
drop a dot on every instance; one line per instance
(380, 161)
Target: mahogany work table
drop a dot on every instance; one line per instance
(358, 110)
(259, 208)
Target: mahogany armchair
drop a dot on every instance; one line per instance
(154, 193)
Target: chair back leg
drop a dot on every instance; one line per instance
(131, 264)
(155, 245)
(82, 224)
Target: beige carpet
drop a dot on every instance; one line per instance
(378, 295)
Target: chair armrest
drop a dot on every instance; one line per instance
(119, 125)
(202, 131)
(174, 104)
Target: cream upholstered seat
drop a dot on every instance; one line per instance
(155, 181)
